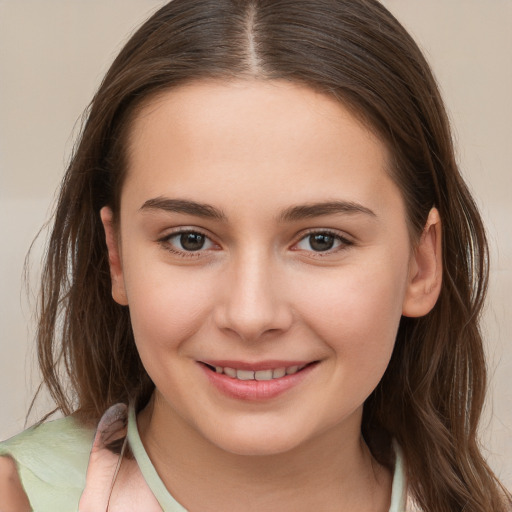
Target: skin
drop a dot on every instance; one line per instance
(258, 291)
(12, 495)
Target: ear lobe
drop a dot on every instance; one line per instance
(114, 256)
(425, 270)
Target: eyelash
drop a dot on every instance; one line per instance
(344, 243)
(165, 242)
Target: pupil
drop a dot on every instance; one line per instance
(192, 241)
(321, 242)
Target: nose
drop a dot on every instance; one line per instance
(254, 301)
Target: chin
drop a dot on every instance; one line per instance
(256, 447)
(258, 441)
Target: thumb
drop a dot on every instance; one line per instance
(103, 462)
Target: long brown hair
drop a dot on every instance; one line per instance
(431, 396)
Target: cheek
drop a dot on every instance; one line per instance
(356, 314)
(356, 310)
(166, 306)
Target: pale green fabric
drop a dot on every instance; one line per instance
(167, 502)
(52, 461)
(398, 491)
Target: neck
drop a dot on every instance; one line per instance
(313, 476)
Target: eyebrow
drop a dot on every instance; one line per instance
(308, 211)
(184, 206)
(293, 213)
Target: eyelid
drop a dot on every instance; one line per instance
(346, 241)
(164, 241)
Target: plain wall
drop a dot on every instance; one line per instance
(53, 55)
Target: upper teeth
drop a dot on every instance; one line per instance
(260, 374)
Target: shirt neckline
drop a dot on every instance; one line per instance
(164, 497)
(169, 504)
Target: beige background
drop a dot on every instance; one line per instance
(53, 54)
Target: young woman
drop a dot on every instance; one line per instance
(264, 278)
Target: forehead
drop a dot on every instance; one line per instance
(256, 139)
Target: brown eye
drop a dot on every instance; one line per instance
(192, 241)
(321, 241)
(185, 242)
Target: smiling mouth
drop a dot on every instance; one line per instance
(258, 375)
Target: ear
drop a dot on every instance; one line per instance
(425, 270)
(114, 256)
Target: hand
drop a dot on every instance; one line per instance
(114, 483)
(12, 495)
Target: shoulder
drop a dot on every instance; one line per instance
(51, 462)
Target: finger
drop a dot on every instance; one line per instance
(12, 495)
(103, 462)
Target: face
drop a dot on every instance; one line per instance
(264, 254)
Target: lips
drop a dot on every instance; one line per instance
(259, 381)
(268, 374)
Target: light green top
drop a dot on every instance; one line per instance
(52, 461)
